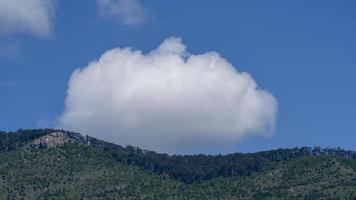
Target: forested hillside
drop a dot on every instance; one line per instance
(44, 163)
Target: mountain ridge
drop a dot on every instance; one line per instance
(161, 163)
(59, 164)
(25, 135)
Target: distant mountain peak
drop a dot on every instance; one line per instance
(52, 140)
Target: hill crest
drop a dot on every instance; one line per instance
(185, 168)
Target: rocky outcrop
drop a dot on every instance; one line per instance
(55, 139)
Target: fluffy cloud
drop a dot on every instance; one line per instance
(127, 12)
(26, 16)
(167, 100)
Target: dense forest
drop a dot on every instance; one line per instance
(85, 167)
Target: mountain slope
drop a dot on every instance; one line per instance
(74, 171)
(39, 164)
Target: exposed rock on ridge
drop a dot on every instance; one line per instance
(55, 139)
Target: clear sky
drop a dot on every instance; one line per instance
(302, 52)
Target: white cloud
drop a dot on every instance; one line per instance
(26, 16)
(127, 12)
(167, 100)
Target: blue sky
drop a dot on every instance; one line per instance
(303, 52)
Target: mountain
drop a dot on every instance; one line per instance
(58, 164)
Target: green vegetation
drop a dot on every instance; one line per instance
(87, 168)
